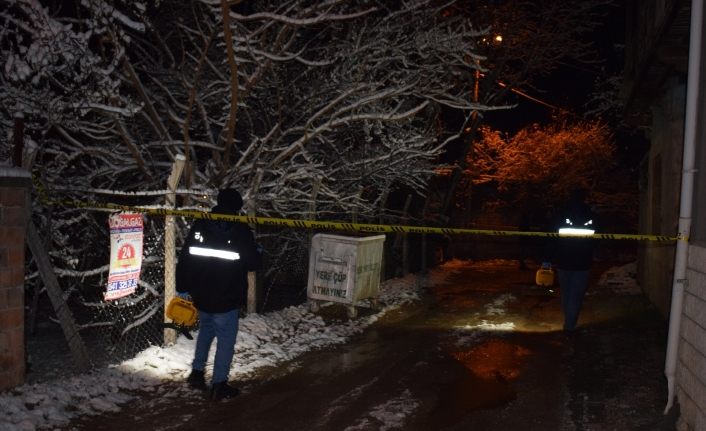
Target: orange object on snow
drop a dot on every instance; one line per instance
(544, 277)
(182, 312)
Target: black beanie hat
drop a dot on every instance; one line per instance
(229, 201)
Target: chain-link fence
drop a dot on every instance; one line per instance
(112, 330)
(118, 329)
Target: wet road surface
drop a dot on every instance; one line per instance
(483, 351)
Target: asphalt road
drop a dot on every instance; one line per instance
(483, 351)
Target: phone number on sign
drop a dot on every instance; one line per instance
(122, 284)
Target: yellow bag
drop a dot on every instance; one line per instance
(182, 312)
(544, 277)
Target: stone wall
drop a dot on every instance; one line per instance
(14, 201)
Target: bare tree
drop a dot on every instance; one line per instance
(270, 97)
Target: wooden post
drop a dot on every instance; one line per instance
(252, 292)
(252, 277)
(170, 245)
(405, 237)
(424, 253)
(401, 239)
(424, 239)
(252, 280)
(66, 319)
(312, 304)
(381, 220)
(312, 209)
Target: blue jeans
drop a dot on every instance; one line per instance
(573, 287)
(224, 328)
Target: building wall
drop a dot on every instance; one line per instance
(691, 365)
(655, 72)
(691, 368)
(14, 187)
(660, 199)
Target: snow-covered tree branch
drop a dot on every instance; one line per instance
(269, 97)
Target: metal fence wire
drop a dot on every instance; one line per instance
(119, 329)
(112, 330)
(130, 324)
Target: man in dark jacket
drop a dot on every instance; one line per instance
(574, 255)
(212, 269)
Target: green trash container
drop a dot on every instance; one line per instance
(344, 270)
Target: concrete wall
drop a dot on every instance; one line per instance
(14, 201)
(660, 210)
(691, 369)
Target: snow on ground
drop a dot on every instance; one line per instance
(621, 279)
(343, 401)
(389, 415)
(263, 340)
(497, 307)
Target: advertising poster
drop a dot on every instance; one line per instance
(125, 255)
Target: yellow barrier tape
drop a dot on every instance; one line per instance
(357, 227)
(344, 226)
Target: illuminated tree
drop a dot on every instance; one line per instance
(543, 163)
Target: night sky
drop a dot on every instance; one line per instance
(570, 86)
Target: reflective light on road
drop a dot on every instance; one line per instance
(484, 325)
(493, 365)
(493, 358)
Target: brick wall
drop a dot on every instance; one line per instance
(691, 369)
(14, 188)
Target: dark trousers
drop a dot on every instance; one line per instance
(573, 286)
(224, 328)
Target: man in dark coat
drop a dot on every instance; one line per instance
(212, 269)
(573, 255)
